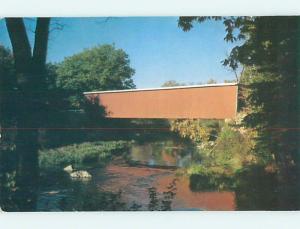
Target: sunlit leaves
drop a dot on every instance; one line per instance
(100, 68)
(192, 129)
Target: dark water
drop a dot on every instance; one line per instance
(125, 184)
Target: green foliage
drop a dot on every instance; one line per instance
(7, 72)
(237, 28)
(199, 131)
(223, 147)
(100, 68)
(271, 82)
(8, 101)
(232, 150)
(8, 84)
(81, 154)
(271, 105)
(222, 158)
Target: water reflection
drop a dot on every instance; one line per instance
(125, 185)
(162, 154)
(188, 200)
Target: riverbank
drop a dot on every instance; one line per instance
(82, 155)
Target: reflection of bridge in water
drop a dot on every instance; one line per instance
(211, 101)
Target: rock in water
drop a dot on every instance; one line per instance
(81, 174)
(69, 169)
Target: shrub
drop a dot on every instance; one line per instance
(199, 131)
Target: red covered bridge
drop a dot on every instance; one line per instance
(211, 101)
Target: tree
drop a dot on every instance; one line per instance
(7, 85)
(29, 65)
(100, 68)
(269, 54)
(172, 83)
(211, 81)
(7, 114)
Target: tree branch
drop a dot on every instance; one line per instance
(20, 43)
(41, 43)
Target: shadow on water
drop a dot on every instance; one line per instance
(257, 189)
(254, 188)
(72, 195)
(65, 194)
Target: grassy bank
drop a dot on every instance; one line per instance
(80, 155)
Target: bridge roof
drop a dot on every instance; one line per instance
(162, 88)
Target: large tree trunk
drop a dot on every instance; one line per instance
(31, 82)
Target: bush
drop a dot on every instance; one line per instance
(198, 131)
(231, 149)
(81, 154)
(220, 161)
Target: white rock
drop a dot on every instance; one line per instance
(81, 174)
(69, 169)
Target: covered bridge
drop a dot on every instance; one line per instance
(210, 101)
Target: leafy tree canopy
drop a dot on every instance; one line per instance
(267, 41)
(7, 85)
(6, 69)
(99, 68)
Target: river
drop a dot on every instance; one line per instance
(151, 176)
(150, 166)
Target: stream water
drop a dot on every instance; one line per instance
(153, 165)
(151, 177)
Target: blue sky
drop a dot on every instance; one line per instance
(157, 48)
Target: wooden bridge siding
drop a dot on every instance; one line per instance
(184, 103)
